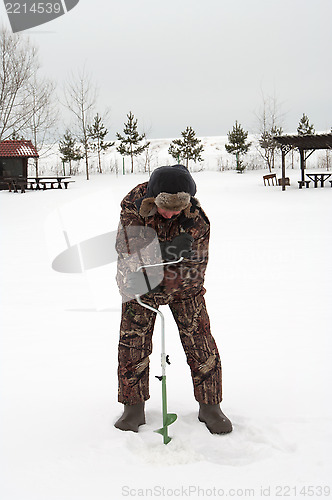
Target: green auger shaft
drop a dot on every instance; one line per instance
(168, 418)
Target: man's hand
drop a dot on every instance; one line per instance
(180, 246)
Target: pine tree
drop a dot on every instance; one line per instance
(304, 126)
(97, 133)
(237, 145)
(69, 150)
(188, 148)
(130, 142)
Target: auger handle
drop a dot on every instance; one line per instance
(160, 264)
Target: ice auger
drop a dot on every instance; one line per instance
(168, 418)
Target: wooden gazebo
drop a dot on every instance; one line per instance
(306, 144)
(14, 157)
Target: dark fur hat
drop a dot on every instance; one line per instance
(169, 188)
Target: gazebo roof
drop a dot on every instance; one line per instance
(18, 149)
(308, 141)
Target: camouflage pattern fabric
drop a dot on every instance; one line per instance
(185, 279)
(135, 347)
(181, 288)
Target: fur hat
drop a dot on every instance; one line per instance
(169, 188)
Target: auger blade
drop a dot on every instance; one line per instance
(170, 418)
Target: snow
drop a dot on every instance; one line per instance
(268, 296)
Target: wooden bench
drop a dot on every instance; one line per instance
(4, 184)
(302, 183)
(16, 184)
(270, 177)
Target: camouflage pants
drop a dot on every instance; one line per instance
(135, 346)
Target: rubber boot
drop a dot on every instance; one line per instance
(214, 419)
(133, 416)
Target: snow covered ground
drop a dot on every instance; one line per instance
(269, 298)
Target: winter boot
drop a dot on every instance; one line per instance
(214, 419)
(133, 416)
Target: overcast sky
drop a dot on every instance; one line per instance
(201, 63)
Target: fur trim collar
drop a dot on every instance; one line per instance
(167, 201)
(148, 207)
(179, 201)
(173, 202)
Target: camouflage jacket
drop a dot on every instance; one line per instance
(182, 280)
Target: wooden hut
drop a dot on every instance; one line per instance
(306, 145)
(14, 157)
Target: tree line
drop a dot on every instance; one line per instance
(29, 108)
(182, 150)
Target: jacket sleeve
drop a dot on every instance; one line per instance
(130, 222)
(137, 245)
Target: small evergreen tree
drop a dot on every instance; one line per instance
(97, 133)
(237, 145)
(69, 150)
(304, 126)
(188, 148)
(130, 142)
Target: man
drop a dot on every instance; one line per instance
(166, 205)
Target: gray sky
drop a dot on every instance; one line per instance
(201, 63)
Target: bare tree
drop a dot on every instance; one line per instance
(18, 66)
(80, 97)
(45, 114)
(270, 121)
(149, 155)
(326, 160)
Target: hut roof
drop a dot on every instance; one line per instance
(18, 149)
(308, 141)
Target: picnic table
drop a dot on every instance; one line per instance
(45, 182)
(319, 177)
